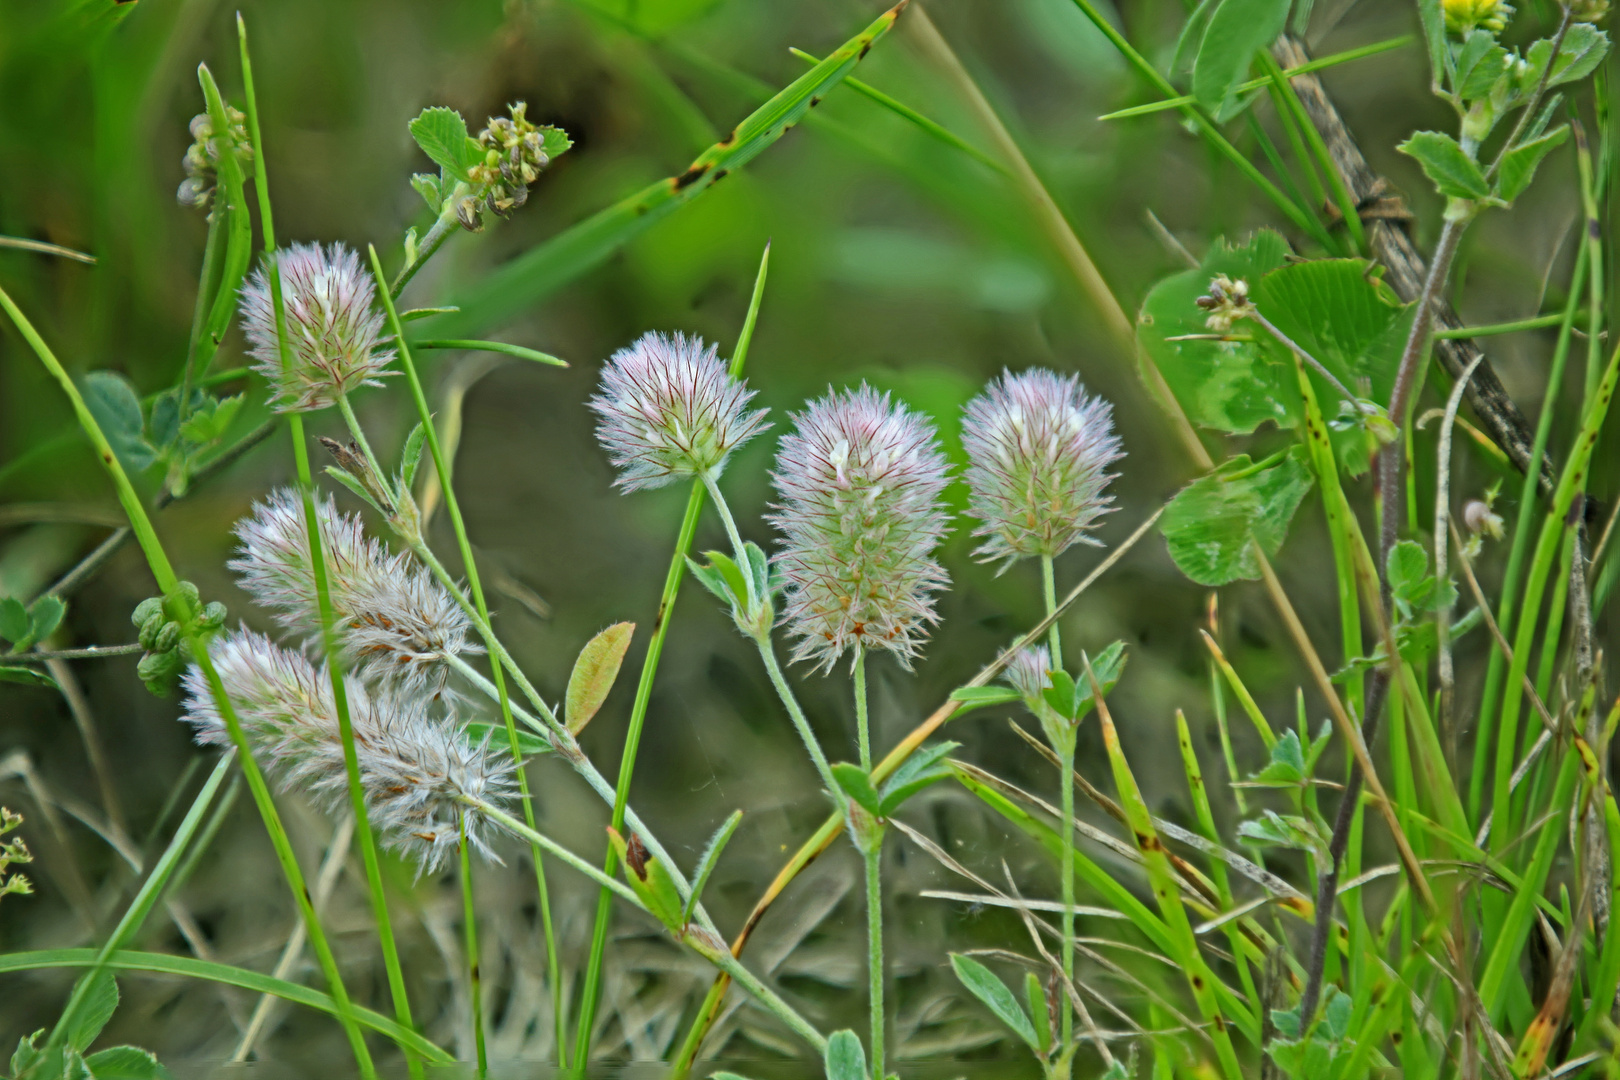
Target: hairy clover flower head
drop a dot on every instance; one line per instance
(332, 327)
(860, 481)
(395, 624)
(669, 408)
(415, 767)
(1029, 671)
(1038, 452)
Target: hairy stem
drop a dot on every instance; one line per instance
(469, 922)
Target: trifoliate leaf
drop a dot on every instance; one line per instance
(1211, 524)
(442, 135)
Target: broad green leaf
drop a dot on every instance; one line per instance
(1353, 325)
(650, 880)
(731, 574)
(13, 619)
(858, 786)
(1519, 164)
(977, 697)
(191, 967)
(116, 407)
(846, 1060)
(1445, 163)
(919, 771)
(984, 985)
(711, 579)
(1234, 385)
(94, 1009)
(1336, 1012)
(1062, 695)
(529, 743)
(710, 859)
(209, 423)
(1211, 524)
(27, 676)
(126, 1063)
(1406, 566)
(1287, 765)
(1190, 38)
(542, 270)
(1237, 30)
(1479, 65)
(594, 674)
(442, 135)
(45, 616)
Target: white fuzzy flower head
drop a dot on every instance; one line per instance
(860, 482)
(669, 408)
(395, 624)
(1038, 451)
(414, 767)
(1030, 671)
(332, 327)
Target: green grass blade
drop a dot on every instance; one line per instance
(541, 271)
(191, 967)
(506, 349)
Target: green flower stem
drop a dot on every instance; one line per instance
(873, 852)
(443, 225)
(785, 692)
(725, 516)
(476, 588)
(169, 585)
(469, 922)
(627, 765)
(199, 316)
(359, 434)
(716, 954)
(1049, 593)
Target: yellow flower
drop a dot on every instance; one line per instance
(1464, 15)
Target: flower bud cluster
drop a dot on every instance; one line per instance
(164, 625)
(514, 153)
(1227, 302)
(860, 480)
(202, 156)
(669, 408)
(332, 323)
(1038, 450)
(1463, 16)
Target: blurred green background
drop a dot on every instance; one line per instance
(896, 259)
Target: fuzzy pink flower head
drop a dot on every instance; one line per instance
(1038, 455)
(415, 767)
(860, 481)
(394, 623)
(332, 327)
(669, 408)
(1030, 671)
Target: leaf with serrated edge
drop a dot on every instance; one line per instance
(1211, 523)
(594, 673)
(442, 135)
(1445, 163)
(126, 1063)
(1519, 164)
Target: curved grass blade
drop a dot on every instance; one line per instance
(191, 967)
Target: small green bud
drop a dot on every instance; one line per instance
(158, 669)
(212, 617)
(152, 628)
(167, 638)
(184, 601)
(152, 605)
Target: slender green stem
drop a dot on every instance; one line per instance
(717, 955)
(627, 765)
(453, 506)
(768, 654)
(469, 923)
(1049, 593)
(443, 225)
(169, 585)
(863, 733)
(874, 949)
(200, 315)
(725, 516)
(359, 434)
(1534, 322)
(1341, 192)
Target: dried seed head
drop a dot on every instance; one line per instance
(860, 482)
(1227, 302)
(1038, 453)
(395, 624)
(670, 409)
(332, 327)
(1029, 671)
(414, 767)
